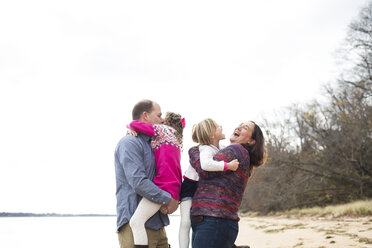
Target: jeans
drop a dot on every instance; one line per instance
(214, 232)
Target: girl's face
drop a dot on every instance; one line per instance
(218, 135)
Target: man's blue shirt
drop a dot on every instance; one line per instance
(135, 169)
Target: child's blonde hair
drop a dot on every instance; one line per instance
(203, 132)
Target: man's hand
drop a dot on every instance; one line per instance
(163, 209)
(172, 206)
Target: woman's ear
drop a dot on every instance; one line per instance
(251, 142)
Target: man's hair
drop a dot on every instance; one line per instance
(140, 107)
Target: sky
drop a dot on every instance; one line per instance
(71, 72)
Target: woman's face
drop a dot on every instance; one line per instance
(243, 133)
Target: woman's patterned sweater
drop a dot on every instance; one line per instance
(219, 194)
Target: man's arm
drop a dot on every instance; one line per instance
(170, 208)
(132, 161)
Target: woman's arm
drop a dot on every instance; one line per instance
(142, 127)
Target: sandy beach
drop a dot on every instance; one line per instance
(305, 232)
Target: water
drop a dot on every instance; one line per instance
(62, 232)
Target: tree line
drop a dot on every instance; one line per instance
(321, 152)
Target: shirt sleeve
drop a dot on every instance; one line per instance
(142, 127)
(194, 156)
(207, 162)
(135, 174)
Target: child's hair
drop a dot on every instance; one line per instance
(175, 120)
(203, 131)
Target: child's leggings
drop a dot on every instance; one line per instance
(144, 211)
(185, 224)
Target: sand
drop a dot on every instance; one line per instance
(305, 232)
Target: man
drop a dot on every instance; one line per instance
(135, 168)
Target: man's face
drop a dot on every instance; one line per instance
(154, 117)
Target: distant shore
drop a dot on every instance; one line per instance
(8, 214)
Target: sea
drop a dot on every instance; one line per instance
(71, 232)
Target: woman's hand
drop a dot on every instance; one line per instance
(233, 165)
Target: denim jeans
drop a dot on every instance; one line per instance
(214, 232)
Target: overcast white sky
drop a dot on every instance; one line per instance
(71, 71)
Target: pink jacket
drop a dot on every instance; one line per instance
(167, 155)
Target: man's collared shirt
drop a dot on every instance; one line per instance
(135, 169)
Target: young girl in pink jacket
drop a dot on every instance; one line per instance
(167, 145)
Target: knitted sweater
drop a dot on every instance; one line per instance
(219, 194)
(167, 156)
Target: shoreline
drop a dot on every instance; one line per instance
(305, 232)
(7, 214)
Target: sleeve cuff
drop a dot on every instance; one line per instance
(224, 166)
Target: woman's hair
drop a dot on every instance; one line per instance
(257, 151)
(203, 131)
(175, 120)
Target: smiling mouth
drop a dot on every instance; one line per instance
(236, 134)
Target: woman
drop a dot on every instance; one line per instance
(214, 211)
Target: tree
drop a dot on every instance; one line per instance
(322, 153)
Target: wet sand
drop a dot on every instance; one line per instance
(305, 232)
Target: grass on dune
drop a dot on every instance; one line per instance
(357, 208)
